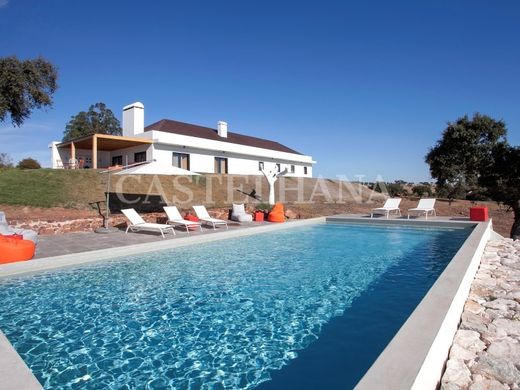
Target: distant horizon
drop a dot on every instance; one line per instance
(365, 89)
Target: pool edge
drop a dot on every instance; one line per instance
(14, 373)
(416, 355)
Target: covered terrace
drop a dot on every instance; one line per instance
(97, 150)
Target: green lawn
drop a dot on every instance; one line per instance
(47, 187)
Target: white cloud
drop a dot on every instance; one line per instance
(3, 3)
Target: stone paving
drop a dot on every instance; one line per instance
(63, 244)
(486, 349)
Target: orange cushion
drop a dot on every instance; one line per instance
(12, 250)
(277, 214)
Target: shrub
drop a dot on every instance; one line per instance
(422, 190)
(263, 206)
(29, 163)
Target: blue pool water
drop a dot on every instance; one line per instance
(307, 307)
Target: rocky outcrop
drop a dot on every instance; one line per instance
(486, 349)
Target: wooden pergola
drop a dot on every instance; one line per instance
(103, 142)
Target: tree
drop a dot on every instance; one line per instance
(392, 189)
(421, 190)
(466, 145)
(475, 153)
(5, 161)
(29, 163)
(25, 86)
(450, 191)
(502, 181)
(97, 120)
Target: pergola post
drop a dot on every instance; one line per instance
(94, 152)
(72, 155)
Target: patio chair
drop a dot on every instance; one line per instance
(137, 223)
(391, 204)
(425, 206)
(238, 213)
(203, 215)
(175, 218)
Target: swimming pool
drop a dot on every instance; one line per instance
(306, 306)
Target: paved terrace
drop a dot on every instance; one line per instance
(63, 244)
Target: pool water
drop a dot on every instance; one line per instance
(298, 308)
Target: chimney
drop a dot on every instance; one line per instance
(222, 129)
(133, 119)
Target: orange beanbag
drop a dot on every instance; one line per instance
(276, 214)
(12, 250)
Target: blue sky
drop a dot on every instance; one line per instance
(365, 87)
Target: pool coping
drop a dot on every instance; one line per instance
(416, 356)
(75, 259)
(14, 373)
(391, 370)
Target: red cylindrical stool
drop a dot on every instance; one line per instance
(478, 214)
(259, 216)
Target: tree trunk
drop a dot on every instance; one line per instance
(515, 229)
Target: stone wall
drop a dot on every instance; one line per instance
(486, 349)
(49, 226)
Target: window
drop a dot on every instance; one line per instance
(181, 160)
(139, 157)
(292, 168)
(117, 160)
(279, 167)
(260, 166)
(304, 170)
(221, 165)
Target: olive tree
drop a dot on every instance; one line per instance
(474, 153)
(25, 86)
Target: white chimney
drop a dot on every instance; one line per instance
(133, 119)
(222, 129)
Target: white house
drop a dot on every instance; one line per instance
(195, 148)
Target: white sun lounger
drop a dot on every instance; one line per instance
(175, 218)
(137, 223)
(391, 204)
(203, 215)
(425, 206)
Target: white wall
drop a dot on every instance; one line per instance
(202, 161)
(128, 153)
(242, 166)
(55, 155)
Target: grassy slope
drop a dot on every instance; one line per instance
(46, 187)
(76, 188)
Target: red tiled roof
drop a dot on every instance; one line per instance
(170, 126)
